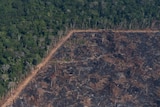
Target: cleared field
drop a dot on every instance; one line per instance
(98, 69)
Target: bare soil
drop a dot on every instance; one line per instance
(95, 68)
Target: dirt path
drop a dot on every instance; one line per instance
(9, 100)
(125, 31)
(22, 85)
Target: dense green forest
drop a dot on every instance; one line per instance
(29, 27)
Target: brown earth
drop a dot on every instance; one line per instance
(121, 65)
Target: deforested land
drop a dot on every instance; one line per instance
(97, 69)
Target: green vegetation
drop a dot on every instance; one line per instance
(27, 27)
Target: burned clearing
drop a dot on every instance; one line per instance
(101, 69)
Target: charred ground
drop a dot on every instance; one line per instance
(97, 70)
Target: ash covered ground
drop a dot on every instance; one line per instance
(104, 69)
